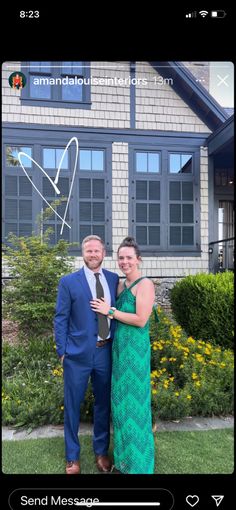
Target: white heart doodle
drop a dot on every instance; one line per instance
(55, 182)
(192, 500)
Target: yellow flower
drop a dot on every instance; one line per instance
(177, 394)
(62, 407)
(172, 359)
(191, 340)
(171, 378)
(207, 351)
(154, 392)
(181, 366)
(189, 397)
(197, 383)
(194, 375)
(222, 365)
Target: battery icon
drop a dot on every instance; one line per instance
(218, 14)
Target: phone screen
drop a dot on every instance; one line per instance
(134, 141)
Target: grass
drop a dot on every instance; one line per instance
(200, 452)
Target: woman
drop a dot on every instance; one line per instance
(131, 394)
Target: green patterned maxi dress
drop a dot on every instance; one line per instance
(131, 393)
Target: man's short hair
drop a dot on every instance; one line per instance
(92, 238)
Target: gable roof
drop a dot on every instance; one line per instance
(193, 93)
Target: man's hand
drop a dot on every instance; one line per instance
(62, 358)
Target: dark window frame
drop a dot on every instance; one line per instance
(164, 176)
(58, 140)
(56, 100)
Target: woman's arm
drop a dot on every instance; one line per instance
(144, 302)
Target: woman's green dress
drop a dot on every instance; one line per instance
(131, 393)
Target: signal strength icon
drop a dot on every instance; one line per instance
(203, 14)
(191, 15)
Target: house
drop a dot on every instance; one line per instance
(150, 154)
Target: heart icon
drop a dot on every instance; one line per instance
(192, 500)
(53, 183)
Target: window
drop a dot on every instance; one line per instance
(65, 84)
(17, 189)
(92, 215)
(89, 209)
(164, 210)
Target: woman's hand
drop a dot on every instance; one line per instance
(100, 306)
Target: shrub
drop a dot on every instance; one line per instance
(203, 305)
(37, 267)
(32, 387)
(188, 376)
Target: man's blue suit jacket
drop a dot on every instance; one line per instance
(76, 325)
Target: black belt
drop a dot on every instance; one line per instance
(101, 343)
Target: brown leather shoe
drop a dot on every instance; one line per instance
(103, 463)
(73, 467)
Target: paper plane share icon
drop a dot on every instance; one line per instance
(218, 499)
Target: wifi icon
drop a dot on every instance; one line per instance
(203, 13)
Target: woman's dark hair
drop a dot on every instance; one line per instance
(129, 242)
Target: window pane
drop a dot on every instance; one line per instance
(99, 230)
(40, 67)
(154, 190)
(187, 191)
(25, 186)
(12, 156)
(11, 185)
(97, 160)
(85, 211)
(180, 163)
(63, 185)
(174, 163)
(153, 162)
(85, 188)
(65, 234)
(154, 235)
(141, 213)
(25, 209)
(154, 213)
(175, 193)
(40, 90)
(85, 160)
(175, 213)
(84, 231)
(72, 92)
(74, 68)
(98, 188)
(187, 213)
(141, 190)
(175, 235)
(49, 158)
(48, 190)
(25, 229)
(10, 228)
(141, 235)
(98, 211)
(59, 153)
(187, 235)
(61, 210)
(186, 163)
(11, 209)
(141, 162)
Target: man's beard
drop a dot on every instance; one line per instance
(93, 264)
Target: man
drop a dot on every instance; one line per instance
(83, 343)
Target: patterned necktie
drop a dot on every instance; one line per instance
(103, 328)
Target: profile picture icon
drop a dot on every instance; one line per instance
(17, 80)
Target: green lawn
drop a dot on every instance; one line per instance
(199, 452)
